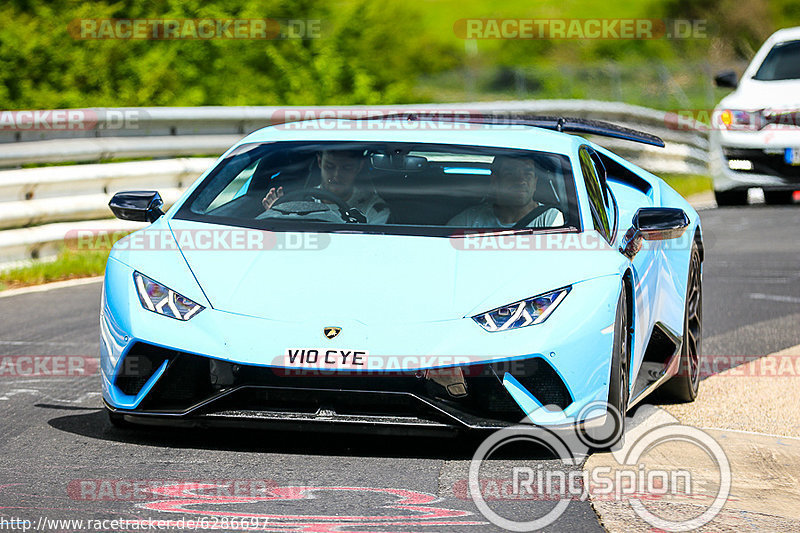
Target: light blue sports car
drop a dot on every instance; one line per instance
(413, 273)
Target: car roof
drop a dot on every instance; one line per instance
(785, 34)
(431, 132)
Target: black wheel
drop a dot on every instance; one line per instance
(735, 197)
(612, 431)
(778, 197)
(683, 386)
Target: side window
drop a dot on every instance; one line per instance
(608, 198)
(598, 199)
(235, 188)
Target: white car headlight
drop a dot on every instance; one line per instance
(738, 119)
(159, 299)
(527, 312)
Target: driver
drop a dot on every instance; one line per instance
(339, 169)
(513, 186)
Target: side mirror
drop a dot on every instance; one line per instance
(726, 79)
(139, 206)
(653, 224)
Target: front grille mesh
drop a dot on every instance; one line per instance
(770, 164)
(190, 380)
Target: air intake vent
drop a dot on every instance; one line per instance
(139, 365)
(540, 379)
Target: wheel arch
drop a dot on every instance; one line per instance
(698, 239)
(627, 283)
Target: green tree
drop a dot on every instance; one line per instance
(367, 53)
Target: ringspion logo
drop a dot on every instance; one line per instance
(632, 480)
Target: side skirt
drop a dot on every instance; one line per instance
(661, 362)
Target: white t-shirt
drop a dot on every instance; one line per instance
(483, 216)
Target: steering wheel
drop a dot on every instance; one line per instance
(345, 211)
(533, 213)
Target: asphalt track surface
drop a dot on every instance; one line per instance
(61, 459)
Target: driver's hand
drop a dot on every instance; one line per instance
(272, 195)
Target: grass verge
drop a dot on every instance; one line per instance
(688, 184)
(69, 264)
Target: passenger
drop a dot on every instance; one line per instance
(513, 187)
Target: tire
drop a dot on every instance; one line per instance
(778, 197)
(734, 197)
(613, 430)
(683, 387)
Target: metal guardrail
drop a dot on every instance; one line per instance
(103, 149)
(36, 202)
(19, 246)
(48, 195)
(80, 192)
(99, 134)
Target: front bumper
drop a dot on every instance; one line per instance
(213, 370)
(765, 151)
(186, 389)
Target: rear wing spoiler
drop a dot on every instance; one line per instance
(563, 124)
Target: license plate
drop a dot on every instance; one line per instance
(325, 358)
(792, 156)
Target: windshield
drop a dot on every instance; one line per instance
(386, 188)
(782, 63)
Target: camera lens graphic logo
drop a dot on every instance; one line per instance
(571, 446)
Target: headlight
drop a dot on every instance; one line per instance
(162, 300)
(737, 119)
(520, 314)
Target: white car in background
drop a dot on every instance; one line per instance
(755, 141)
